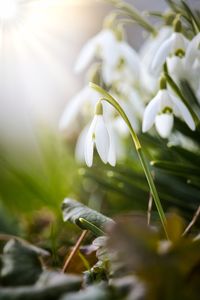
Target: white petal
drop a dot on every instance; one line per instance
(151, 111)
(107, 73)
(164, 124)
(80, 144)
(112, 151)
(102, 139)
(175, 66)
(179, 42)
(89, 143)
(184, 112)
(152, 44)
(86, 55)
(192, 50)
(109, 47)
(72, 109)
(161, 55)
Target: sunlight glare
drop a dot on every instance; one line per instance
(8, 9)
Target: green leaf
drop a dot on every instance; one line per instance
(73, 211)
(177, 168)
(134, 14)
(95, 292)
(192, 16)
(20, 264)
(89, 226)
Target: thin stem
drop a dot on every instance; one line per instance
(153, 189)
(193, 221)
(74, 251)
(108, 98)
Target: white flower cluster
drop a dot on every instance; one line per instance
(132, 78)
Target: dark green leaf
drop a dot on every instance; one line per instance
(20, 264)
(50, 286)
(73, 211)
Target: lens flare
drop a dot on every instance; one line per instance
(35, 59)
(8, 9)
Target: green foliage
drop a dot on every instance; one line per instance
(84, 217)
(40, 178)
(22, 275)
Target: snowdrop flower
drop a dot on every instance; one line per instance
(176, 42)
(149, 81)
(161, 111)
(122, 70)
(86, 97)
(152, 44)
(184, 66)
(99, 136)
(108, 47)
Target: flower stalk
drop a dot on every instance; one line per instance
(108, 98)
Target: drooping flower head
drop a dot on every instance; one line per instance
(175, 43)
(99, 136)
(161, 110)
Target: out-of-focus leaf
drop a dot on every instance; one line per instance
(191, 15)
(20, 264)
(95, 292)
(166, 268)
(8, 223)
(175, 227)
(188, 92)
(101, 250)
(74, 210)
(189, 156)
(50, 286)
(184, 170)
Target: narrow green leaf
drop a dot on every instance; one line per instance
(177, 168)
(89, 226)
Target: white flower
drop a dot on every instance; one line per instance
(111, 50)
(87, 97)
(174, 43)
(152, 44)
(99, 136)
(117, 149)
(185, 66)
(148, 81)
(161, 110)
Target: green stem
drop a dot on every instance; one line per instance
(152, 188)
(108, 98)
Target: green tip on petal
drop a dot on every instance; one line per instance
(180, 53)
(163, 83)
(99, 108)
(110, 21)
(177, 25)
